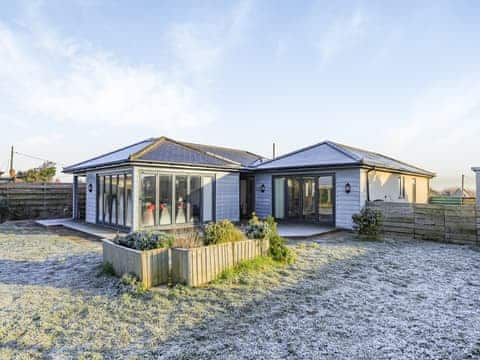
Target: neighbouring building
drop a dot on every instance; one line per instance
(164, 183)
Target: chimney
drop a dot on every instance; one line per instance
(273, 151)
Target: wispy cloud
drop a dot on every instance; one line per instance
(201, 47)
(441, 128)
(341, 33)
(46, 76)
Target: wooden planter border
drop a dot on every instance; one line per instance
(192, 267)
(150, 266)
(198, 266)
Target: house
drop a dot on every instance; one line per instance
(458, 192)
(164, 183)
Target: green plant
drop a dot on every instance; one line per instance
(145, 240)
(245, 271)
(188, 239)
(222, 232)
(368, 222)
(45, 173)
(257, 229)
(4, 210)
(134, 286)
(107, 269)
(279, 251)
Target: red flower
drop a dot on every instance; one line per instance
(151, 207)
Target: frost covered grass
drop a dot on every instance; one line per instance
(247, 271)
(342, 298)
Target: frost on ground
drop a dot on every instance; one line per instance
(342, 299)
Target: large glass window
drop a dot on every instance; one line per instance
(279, 197)
(180, 199)
(195, 202)
(308, 201)
(114, 199)
(128, 202)
(165, 200)
(114, 202)
(107, 197)
(147, 200)
(207, 198)
(304, 197)
(294, 198)
(121, 200)
(325, 199)
(100, 188)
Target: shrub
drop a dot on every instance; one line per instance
(257, 229)
(4, 211)
(145, 240)
(133, 285)
(222, 232)
(368, 222)
(187, 240)
(279, 251)
(107, 269)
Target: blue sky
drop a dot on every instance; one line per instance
(79, 78)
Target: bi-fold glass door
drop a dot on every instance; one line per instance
(304, 198)
(114, 200)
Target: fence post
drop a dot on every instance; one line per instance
(476, 170)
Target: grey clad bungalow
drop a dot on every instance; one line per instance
(164, 183)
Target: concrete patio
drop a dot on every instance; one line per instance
(287, 230)
(302, 231)
(89, 229)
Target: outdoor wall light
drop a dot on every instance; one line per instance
(90, 187)
(262, 188)
(348, 188)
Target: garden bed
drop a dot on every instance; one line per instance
(193, 267)
(156, 257)
(151, 267)
(198, 266)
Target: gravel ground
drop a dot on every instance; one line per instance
(342, 299)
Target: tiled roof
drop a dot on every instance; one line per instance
(329, 153)
(245, 158)
(115, 156)
(376, 159)
(164, 150)
(169, 151)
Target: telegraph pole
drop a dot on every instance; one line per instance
(12, 170)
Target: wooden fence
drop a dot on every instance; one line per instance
(452, 200)
(20, 201)
(447, 223)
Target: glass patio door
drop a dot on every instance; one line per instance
(308, 198)
(325, 200)
(294, 190)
